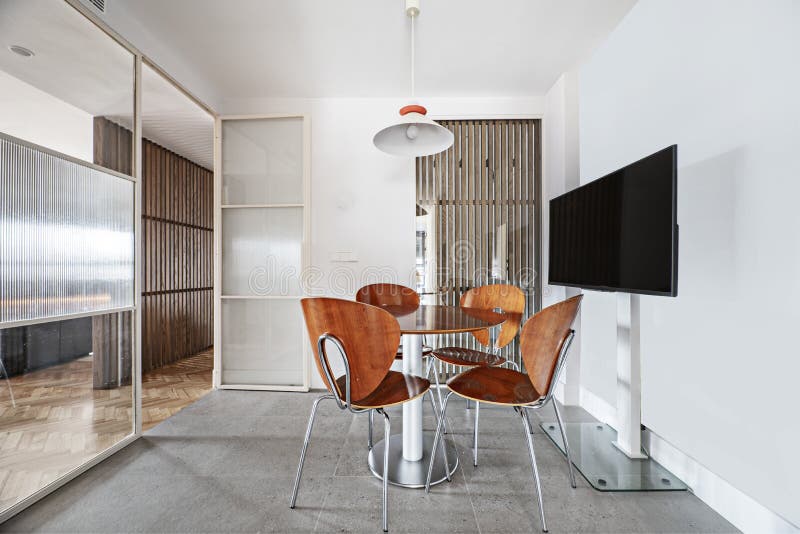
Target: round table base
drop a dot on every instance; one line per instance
(412, 474)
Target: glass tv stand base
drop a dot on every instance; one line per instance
(604, 466)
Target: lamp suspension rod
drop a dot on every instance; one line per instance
(413, 54)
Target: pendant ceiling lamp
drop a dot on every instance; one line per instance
(414, 134)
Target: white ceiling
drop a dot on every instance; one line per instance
(78, 63)
(172, 120)
(73, 61)
(299, 49)
(354, 48)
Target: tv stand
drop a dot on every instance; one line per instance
(629, 377)
(609, 459)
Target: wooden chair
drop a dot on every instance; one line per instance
(366, 339)
(509, 299)
(396, 296)
(544, 343)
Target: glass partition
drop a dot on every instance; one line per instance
(67, 246)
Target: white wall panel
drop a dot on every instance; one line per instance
(719, 362)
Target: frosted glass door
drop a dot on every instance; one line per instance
(263, 216)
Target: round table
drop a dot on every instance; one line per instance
(410, 452)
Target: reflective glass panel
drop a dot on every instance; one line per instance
(262, 161)
(262, 341)
(66, 244)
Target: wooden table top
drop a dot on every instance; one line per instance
(435, 319)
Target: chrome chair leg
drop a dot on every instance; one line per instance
(436, 440)
(525, 426)
(429, 394)
(566, 443)
(530, 425)
(387, 430)
(438, 389)
(305, 447)
(444, 447)
(433, 404)
(475, 436)
(369, 431)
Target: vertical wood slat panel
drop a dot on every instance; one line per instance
(488, 178)
(177, 303)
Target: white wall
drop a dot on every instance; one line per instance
(35, 116)
(720, 364)
(561, 173)
(362, 200)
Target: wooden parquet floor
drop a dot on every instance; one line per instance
(168, 390)
(60, 421)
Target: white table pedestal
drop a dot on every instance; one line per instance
(410, 453)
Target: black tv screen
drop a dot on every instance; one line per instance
(619, 232)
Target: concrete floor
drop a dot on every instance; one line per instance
(226, 464)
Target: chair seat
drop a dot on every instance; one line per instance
(425, 351)
(468, 357)
(495, 385)
(396, 388)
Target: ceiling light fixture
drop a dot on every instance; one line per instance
(414, 134)
(21, 51)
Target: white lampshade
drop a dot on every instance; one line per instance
(413, 135)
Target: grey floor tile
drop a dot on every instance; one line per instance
(93, 502)
(227, 464)
(354, 505)
(259, 446)
(505, 455)
(677, 511)
(234, 403)
(511, 505)
(242, 504)
(354, 453)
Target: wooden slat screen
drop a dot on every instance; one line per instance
(177, 242)
(177, 245)
(489, 180)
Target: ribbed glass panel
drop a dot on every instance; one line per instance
(66, 236)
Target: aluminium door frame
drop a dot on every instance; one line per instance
(305, 254)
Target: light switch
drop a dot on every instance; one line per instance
(344, 256)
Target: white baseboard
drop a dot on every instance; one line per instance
(740, 509)
(599, 407)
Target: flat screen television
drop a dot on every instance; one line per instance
(619, 232)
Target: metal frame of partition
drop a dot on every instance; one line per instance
(218, 231)
(136, 177)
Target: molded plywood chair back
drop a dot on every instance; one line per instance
(510, 299)
(369, 337)
(543, 338)
(388, 295)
